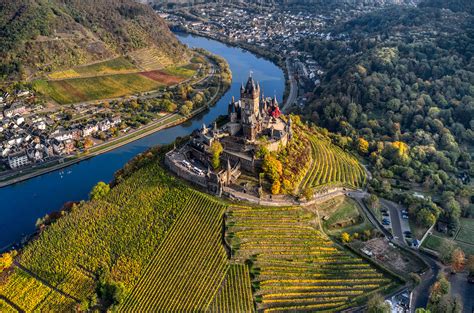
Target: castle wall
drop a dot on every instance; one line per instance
(184, 173)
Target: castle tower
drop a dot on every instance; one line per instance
(250, 95)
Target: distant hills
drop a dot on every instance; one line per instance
(453, 5)
(39, 36)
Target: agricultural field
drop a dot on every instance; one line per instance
(235, 294)
(83, 89)
(189, 265)
(102, 233)
(177, 249)
(118, 65)
(122, 76)
(331, 166)
(294, 266)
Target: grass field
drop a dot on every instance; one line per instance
(113, 78)
(344, 216)
(464, 238)
(331, 166)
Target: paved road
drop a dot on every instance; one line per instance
(395, 219)
(421, 292)
(293, 89)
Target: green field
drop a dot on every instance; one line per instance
(344, 216)
(165, 243)
(464, 238)
(331, 166)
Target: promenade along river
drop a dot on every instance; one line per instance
(21, 204)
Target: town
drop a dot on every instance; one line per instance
(270, 31)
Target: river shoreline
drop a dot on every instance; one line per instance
(35, 197)
(107, 146)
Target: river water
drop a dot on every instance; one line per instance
(21, 204)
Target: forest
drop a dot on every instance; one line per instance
(399, 88)
(41, 35)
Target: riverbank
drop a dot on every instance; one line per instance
(25, 202)
(167, 121)
(282, 63)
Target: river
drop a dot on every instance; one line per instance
(23, 203)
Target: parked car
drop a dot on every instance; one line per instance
(405, 217)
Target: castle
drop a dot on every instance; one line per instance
(253, 122)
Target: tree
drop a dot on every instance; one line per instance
(373, 202)
(216, 150)
(276, 187)
(446, 249)
(186, 108)
(308, 193)
(88, 143)
(458, 260)
(6, 260)
(362, 145)
(272, 167)
(99, 191)
(377, 304)
(345, 237)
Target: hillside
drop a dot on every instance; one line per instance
(453, 5)
(40, 36)
(398, 87)
(153, 243)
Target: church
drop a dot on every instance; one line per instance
(253, 122)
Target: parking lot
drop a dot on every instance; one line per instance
(397, 218)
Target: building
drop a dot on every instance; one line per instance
(18, 159)
(254, 122)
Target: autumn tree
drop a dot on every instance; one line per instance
(345, 237)
(88, 143)
(99, 191)
(276, 187)
(186, 108)
(362, 146)
(377, 304)
(458, 260)
(272, 167)
(6, 260)
(216, 150)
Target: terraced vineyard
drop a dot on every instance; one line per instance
(189, 265)
(235, 294)
(295, 267)
(331, 166)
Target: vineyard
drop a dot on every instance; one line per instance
(235, 295)
(119, 232)
(294, 266)
(189, 265)
(331, 166)
(175, 249)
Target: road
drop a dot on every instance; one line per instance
(293, 89)
(396, 220)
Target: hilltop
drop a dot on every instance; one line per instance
(40, 36)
